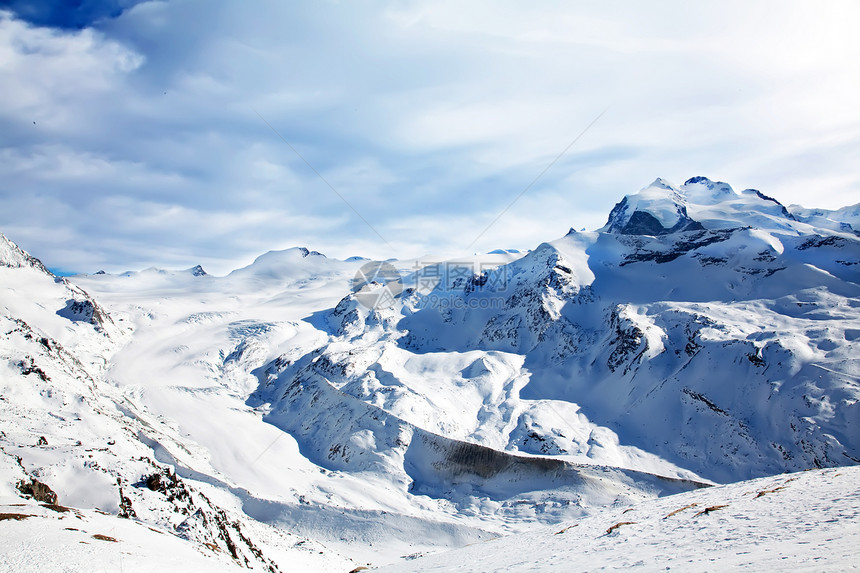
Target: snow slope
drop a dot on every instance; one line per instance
(96, 446)
(806, 521)
(39, 537)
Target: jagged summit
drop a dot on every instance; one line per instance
(663, 208)
(702, 190)
(658, 209)
(13, 256)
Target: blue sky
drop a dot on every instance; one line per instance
(130, 135)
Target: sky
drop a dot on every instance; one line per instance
(182, 132)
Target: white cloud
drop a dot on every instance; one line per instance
(429, 118)
(41, 70)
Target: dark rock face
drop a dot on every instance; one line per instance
(153, 482)
(465, 458)
(27, 366)
(126, 511)
(84, 311)
(308, 253)
(38, 491)
(198, 271)
(680, 246)
(78, 310)
(697, 179)
(818, 242)
(764, 197)
(616, 215)
(644, 223)
(626, 344)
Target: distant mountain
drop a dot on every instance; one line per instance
(846, 219)
(661, 208)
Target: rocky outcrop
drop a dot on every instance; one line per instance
(37, 490)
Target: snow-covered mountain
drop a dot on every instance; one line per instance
(294, 415)
(75, 441)
(846, 219)
(724, 340)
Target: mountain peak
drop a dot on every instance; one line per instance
(700, 203)
(661, 183)
(308, 253)
(658, 209)
(13, 256)
(292, 254)
(703, 191)
(288, 263)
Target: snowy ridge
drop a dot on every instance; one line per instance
(846, 219)
(13, 256)
(773, 524)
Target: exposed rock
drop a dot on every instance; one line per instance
(125, 509)
(27, 366)
(153, 482)
(84, 311)
(37, 490)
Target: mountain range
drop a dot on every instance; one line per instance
(306, 412)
